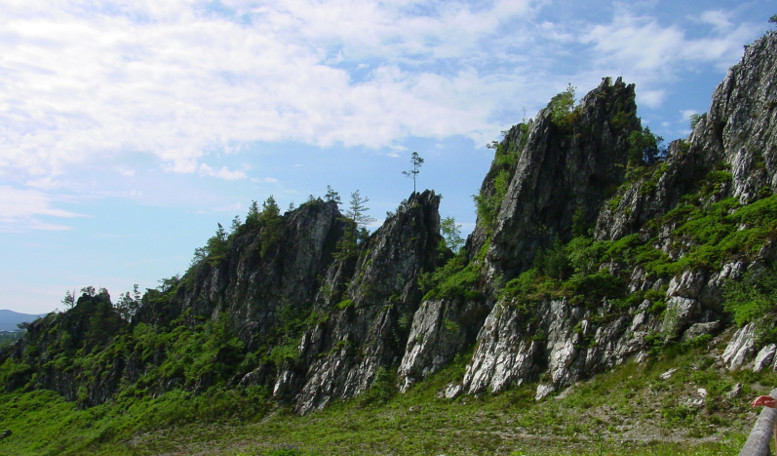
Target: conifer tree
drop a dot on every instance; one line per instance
(451, 232)
(356, 219)
(332, 195)
(412, 173)
(357, 210)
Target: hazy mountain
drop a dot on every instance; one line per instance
(9, 320)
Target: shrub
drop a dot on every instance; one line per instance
(562, 107)
(454, 280)
(281, 353)
(529, 288)
(642, 147)
(345, 304)
(382, 389)
(488, 205)
(592, 288)
(553, 261)
(754, 299)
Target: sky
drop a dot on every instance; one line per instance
(130, 129)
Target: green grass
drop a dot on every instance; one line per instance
(629, 410)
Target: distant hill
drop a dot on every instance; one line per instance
(9, 320)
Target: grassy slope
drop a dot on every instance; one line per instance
(629, 410)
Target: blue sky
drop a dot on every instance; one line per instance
(128, 130)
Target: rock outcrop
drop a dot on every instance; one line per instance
(557, 342)
(565, 169)
(369, 327)
(589, 251)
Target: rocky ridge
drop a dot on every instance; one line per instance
(590, 250)
(557, 342)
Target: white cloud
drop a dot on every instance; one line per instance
(685, 114)
(651, 98)
(229, 209)
(641, 42)
(126, 172)
(177, 80)
(719, 19)
(46, 183)
(654, 53)
(222, 173)
(21, 209)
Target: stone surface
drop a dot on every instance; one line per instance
(764, 357)
(740, 348)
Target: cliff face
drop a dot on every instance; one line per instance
(256, 275)
(649, 275)
(369, 311)
(589, 251)
(559, 170)
(562, 342)
(563, 170)
(737, 135)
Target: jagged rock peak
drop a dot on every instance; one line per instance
(737, 137)
(567, 168)
(368, 326)
(741, 125)
(559, 342)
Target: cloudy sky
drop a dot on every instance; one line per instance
(128, 130)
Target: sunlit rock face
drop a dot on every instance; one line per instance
(559, 342)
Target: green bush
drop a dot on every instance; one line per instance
(553, 261)
(382, 389)
(593, 288)
(344, 304)
(281, 353)
(488, 205)
(524, 291)
(753, 298)
(454, 280)
(642, 147)
(562, 108)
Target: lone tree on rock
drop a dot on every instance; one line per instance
(356, 219)
(417, 162)
(357, 210)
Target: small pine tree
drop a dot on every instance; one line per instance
(451, 232)
(216, 248)
(69, 301)
(252, 217)
(357, 211)
(236, 223)
(128, 304)
(270, 221)
(89, 291)
(332, 195)
(412, 173)
(270, 211)
(694, 119)
(562, 105)
(356, 218)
